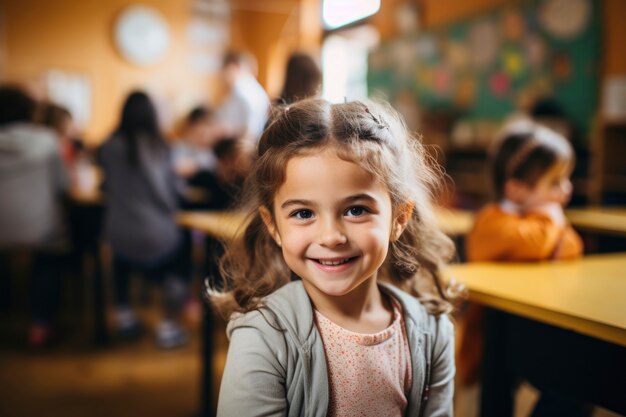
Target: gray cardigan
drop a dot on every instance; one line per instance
(33, 182)
(141, 201)
(276, 364)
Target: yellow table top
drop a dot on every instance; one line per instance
(454, 222)
(219, 224)
(586, 295)
(610, 220)
(86, 197)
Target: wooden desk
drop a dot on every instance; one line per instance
(586, 295)
(86, 197)
(561, 325)
(610, 220)
(454, 222)
(218, 224)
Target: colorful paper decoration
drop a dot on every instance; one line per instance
(484, 43)
(513, 25)
(535, 48)
(499, 84)
(565, 19)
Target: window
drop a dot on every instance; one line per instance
(344, 62)
(337, 13)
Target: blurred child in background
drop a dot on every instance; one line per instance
(192, 153)
(303, 78)
(33, 187)
(530, 169)
(139, 222)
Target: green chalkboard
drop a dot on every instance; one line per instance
(494, 63)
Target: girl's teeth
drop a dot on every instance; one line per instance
(334, 263)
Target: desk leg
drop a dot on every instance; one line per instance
(208, 329)
(497, 380)
(101, 335)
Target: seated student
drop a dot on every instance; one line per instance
(59, 119)
(139, 220)
(33, 185)
(221, 188)
(530, 170)
(192, 153)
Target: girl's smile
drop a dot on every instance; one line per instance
(336, 264)
(333, 221)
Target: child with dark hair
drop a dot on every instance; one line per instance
(192, 153)
(139, 221)
(530, 169)
(303, 78)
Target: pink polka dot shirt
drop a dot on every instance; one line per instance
(368, 374)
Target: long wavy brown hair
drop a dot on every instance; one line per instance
(373, 136)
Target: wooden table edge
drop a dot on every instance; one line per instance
(587, 327)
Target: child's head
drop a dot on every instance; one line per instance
(531, 165)
(57, 118)
(197, 126)
(367, 148)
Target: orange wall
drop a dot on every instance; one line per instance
(76, 36)
(272, 30)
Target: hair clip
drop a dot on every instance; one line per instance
(378, 120)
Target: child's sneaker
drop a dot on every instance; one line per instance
(129, 328)
(39, 335)
(193, 311)
(170, 335)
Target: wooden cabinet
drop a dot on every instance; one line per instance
(608, 166)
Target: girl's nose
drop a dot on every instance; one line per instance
(331, 234)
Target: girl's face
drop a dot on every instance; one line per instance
(334, 223)
(553, 187)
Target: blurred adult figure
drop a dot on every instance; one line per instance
(303, 78)
(33, 183)
(139, 221)
(245, 110)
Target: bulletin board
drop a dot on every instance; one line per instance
(490, 65)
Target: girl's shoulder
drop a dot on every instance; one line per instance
(287, 311)
(416, 314)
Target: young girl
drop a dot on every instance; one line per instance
(139, 220)
(341, 199)
(531, 166)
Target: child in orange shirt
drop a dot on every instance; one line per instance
(531, 166)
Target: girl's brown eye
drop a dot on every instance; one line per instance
(302, 214)
(356, 211)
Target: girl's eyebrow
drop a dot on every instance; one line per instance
(309, 203)
(359, 197)
(296, 202)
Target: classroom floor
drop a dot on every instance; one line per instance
(74, 379)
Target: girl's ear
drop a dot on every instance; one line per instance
(405, 210)
(266, 216)
(516, 190)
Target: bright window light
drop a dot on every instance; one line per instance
(344, 63)
(336, 13)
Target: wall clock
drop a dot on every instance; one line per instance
(141, 35)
